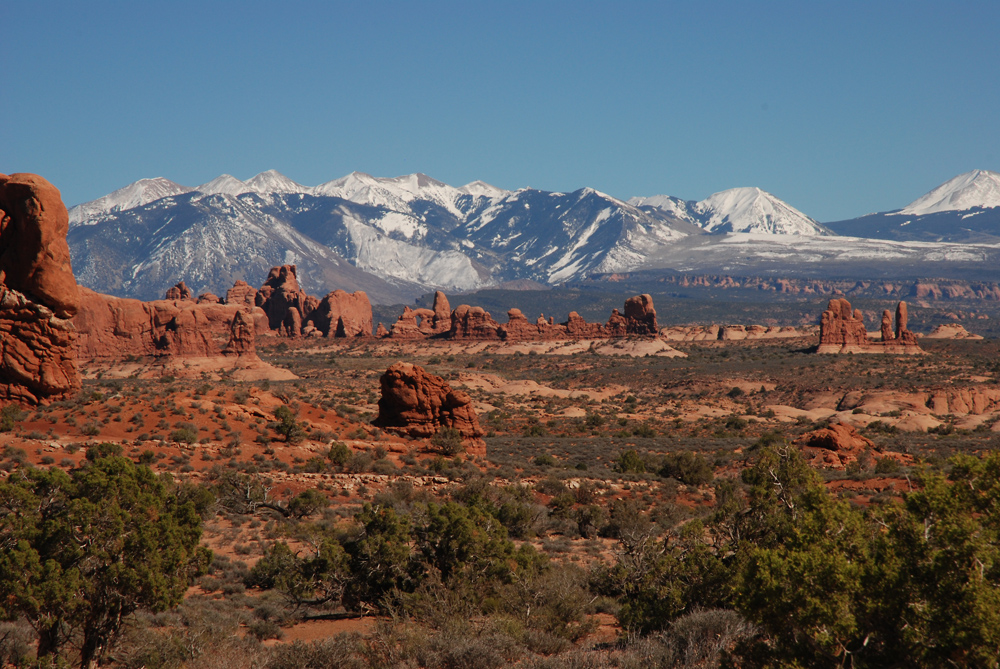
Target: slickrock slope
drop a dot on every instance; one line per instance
(951, 331)
(38, 293)
(419, 404)
(842, 330)
(733, 332)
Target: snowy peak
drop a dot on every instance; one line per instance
(224, 184)
(482, 189)
(750, 210)
(978, 188)
(754, 210)
(273, 181)
(135, 194)
(674, 206)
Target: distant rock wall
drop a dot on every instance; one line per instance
(38, 293)
(469, 323)
(113, 328)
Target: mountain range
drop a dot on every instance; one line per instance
(397, 238)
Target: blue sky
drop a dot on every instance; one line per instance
(839, 108)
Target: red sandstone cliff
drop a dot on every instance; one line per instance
(38, 293)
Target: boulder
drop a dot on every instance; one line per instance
(380, 331)
(833, 447)
(419, 404)
(38, 293)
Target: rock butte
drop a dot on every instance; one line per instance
(842, 330)
(418, 404)
(38, 293)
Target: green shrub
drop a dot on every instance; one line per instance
(688, 468)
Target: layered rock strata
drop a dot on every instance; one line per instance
(38, 293)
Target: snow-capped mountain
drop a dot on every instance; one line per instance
(963, 209)
(411, 232)
(134, 195)
(978, 188)
(397, 238)
(749, 210)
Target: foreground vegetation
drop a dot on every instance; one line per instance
(778, 572)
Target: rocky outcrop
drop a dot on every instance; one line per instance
(280, 295)
(842, 330)
(178, 292)
(209, 298)
(473, 323)
(112, 328)
(421, 323)
(34, 256)
(242, 339)
(38, 293)
(951, 331)
(837, 446)
(419, 404)
(342, 314)
(733, 332)
(241, 293)
(640, 316)
(380, 331)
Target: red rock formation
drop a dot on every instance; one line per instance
(419, 404)
(441, 320)
(179, 292)
(886, 325)
(38, 293)
(578, 328)
(210, 298)
(519, 328)
(381, 331)
(280, 293)
(839, 445)
(842, 331)
(112, 328)
(241, 335)
(473, 323)
(407, 327)
(241, 293)
(34, 256)
(640, 316)
(343, 314)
